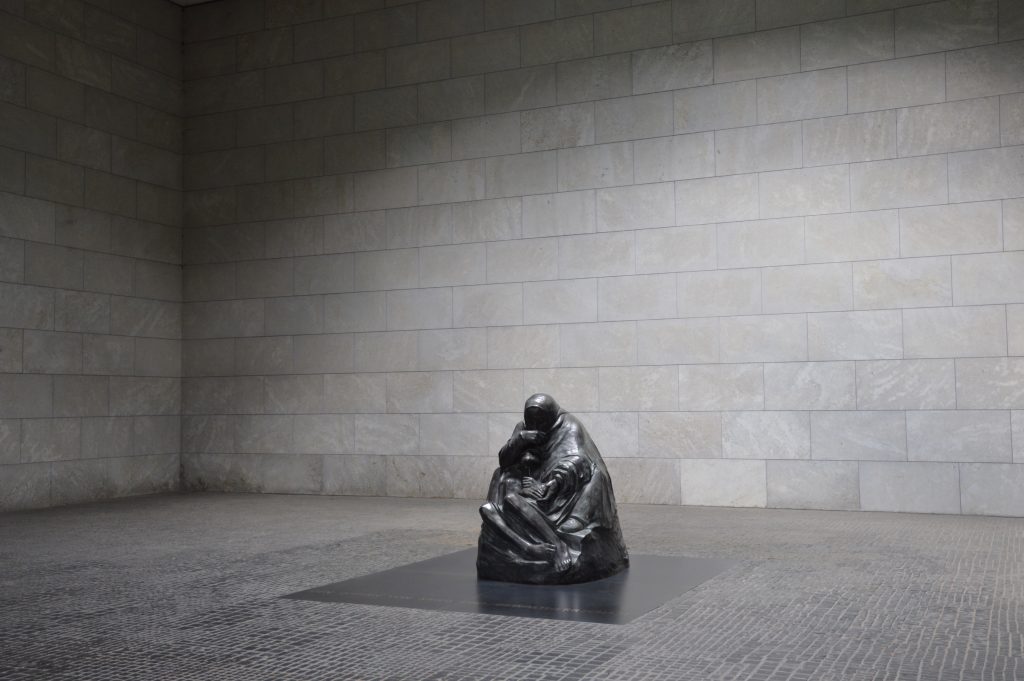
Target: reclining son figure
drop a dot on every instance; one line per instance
(550, 516)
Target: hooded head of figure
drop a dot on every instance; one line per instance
(541, 412)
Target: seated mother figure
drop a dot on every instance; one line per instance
(550, 515)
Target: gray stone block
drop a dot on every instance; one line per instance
(520, 174)
(647, 25)
(354, 475)
(597, 78)
(645, 481)
(843, 139)
(853, 40)
(672, 68)
(418, 63)
(990, 383)
(445, 349)
(990, 489)
(487, 305)
(810, 385)
(451, 182)
(830, 485)
(900, 82)
(945, 26)
(755, 55)
(855, 335)
(701, 294)
(556, 41)
(485, 52)
(802, 95)
(721, 482)
(859, 435)
(909, 487)
(906, 384)
(775, 13)
(700, 19)
(520, 89)
(455, 98)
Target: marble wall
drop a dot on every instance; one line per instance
(90, 249)
(772, 252)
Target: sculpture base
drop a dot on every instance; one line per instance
(449, 583)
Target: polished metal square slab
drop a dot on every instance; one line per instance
(450, 583)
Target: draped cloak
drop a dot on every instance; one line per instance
(584, 493)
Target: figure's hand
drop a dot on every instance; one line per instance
(531, 436)
(535, 492)
(529, 482)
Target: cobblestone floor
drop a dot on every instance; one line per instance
(187, 587)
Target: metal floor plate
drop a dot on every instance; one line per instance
(449, 583)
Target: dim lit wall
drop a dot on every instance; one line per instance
(771, 252)
(90, 249)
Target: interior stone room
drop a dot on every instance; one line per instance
(277, 276)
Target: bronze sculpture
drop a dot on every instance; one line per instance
(550, 516)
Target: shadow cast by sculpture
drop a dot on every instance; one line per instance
(550, 516)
